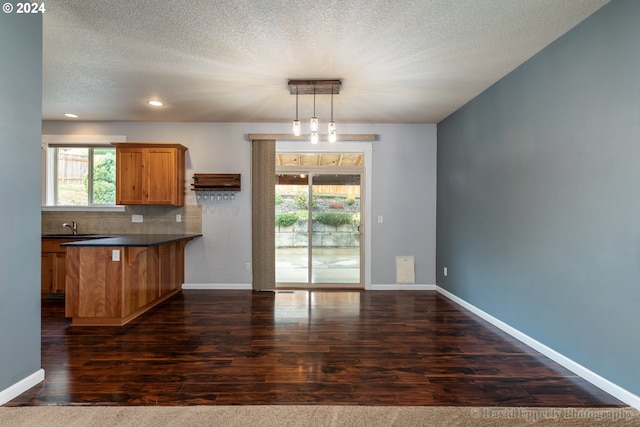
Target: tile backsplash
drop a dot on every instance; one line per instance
(156, 220)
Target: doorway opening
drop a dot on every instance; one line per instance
(319, 228)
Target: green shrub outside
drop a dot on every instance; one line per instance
(335, 219)
(278, 199)
(286, 219)
(351, 199)
(104, 192)
(104, 179)
(301, 201)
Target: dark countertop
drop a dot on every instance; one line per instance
(75, 236)
(132, 240)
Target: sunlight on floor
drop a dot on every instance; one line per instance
(304, 305)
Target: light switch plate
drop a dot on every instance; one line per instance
(115, 255)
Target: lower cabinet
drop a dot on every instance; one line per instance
(103, 289)
(52, 275)
(52, 267)
(171, 267)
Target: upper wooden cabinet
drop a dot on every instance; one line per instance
(150, 174)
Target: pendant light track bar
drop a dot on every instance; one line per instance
(322, 87)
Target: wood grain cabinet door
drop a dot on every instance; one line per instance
(59, 273)
(130, 170)
(161, 176)
(52, 268)
(150, 174)
(46, 274)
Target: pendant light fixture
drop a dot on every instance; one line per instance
(297, 129)
(331, 127)
(314, 87)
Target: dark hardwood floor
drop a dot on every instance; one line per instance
(338, 348)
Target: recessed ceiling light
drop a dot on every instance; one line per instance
(155, 103)
(71, 116)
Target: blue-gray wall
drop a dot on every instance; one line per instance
(20, 123)
(538, 205)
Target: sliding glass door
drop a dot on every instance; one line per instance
(335, 231)
(318, 227)
(292, 230)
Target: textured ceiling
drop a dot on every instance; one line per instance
(400, 61)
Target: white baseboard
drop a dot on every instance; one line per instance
(247, 286)
(595, 379)
(21, 386)
(403, 287)
(218, 286)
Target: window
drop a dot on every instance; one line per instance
(81, 175)
(79, 172)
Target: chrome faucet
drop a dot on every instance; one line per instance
(73, 226)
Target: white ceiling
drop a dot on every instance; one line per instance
(401, 61)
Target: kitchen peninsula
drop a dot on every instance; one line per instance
(111, 281)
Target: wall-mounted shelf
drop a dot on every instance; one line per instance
(226, 182)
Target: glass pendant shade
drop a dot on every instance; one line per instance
(297, 129)
(333, 136)
(313, 123)
(314, 137)
(331, 127)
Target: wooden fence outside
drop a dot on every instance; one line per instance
(319, 189)
(72, 168)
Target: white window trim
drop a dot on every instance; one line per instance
(47, 169)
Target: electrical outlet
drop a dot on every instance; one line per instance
(137, 218)
(178, 218)
(247, 266)
(446, 272)
(115, 255)
(380, 219)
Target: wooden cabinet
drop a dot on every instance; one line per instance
(52, 274)
(171, 267)
(52, 267)
(107, 291)
(150, 174)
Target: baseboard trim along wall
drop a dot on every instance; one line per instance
(595, 379)
(403, 287)
(21, 386)
(218, 286)
(245, 286)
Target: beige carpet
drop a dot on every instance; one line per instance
(311, 416)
